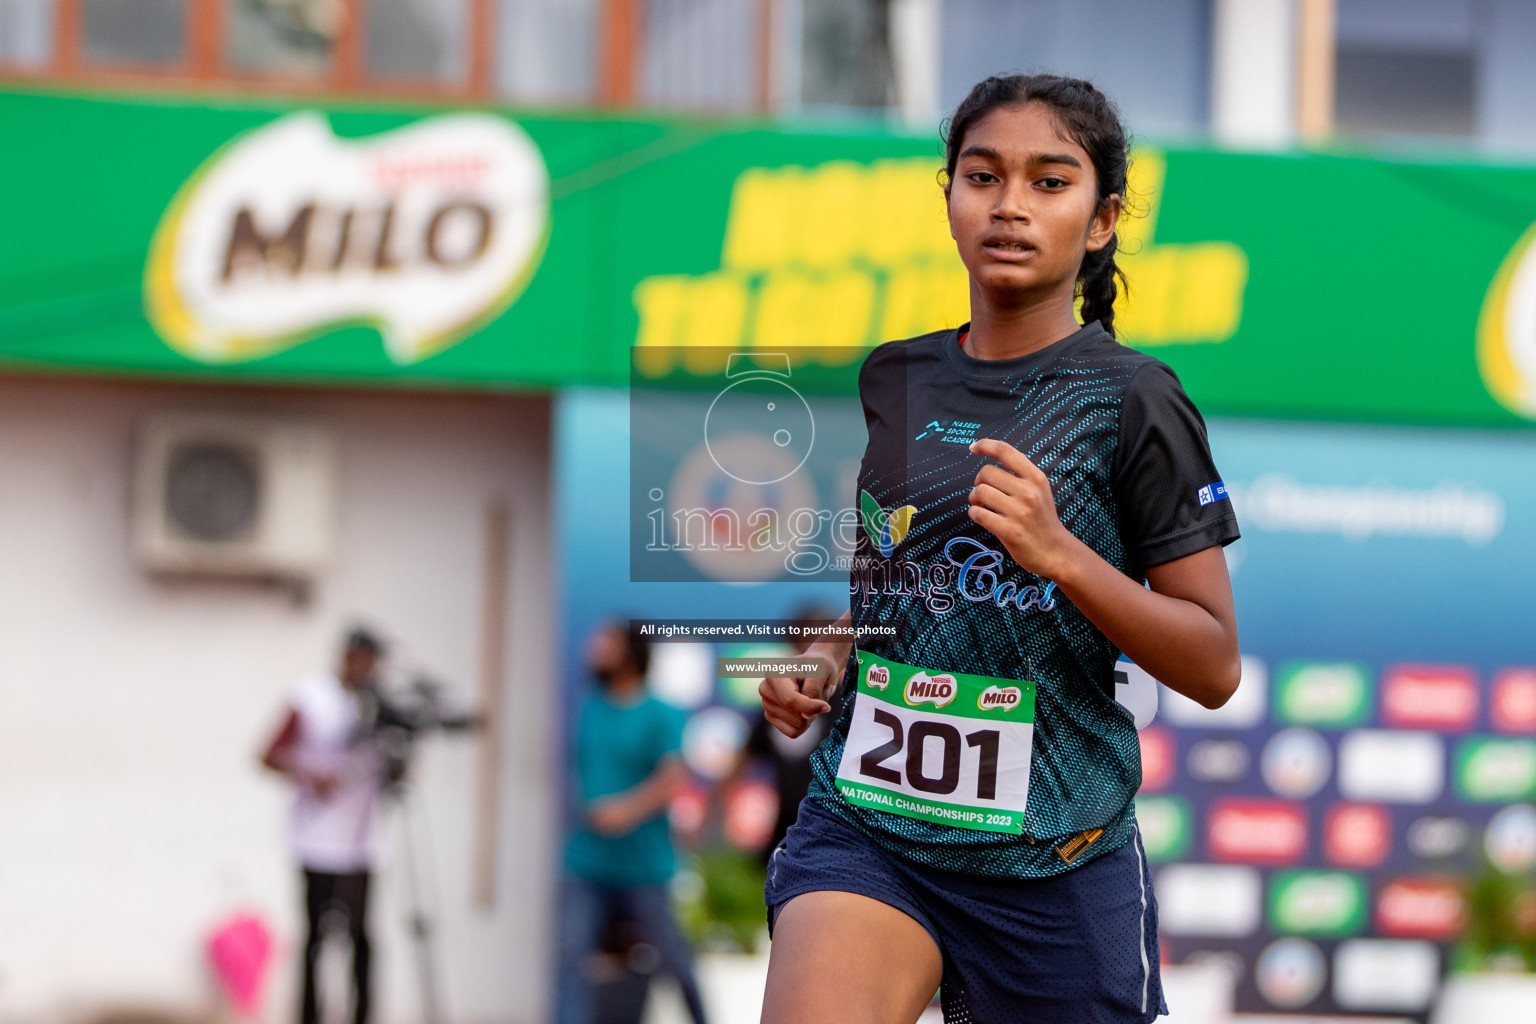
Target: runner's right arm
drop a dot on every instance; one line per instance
(791, 703)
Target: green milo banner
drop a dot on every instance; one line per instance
(449, 248)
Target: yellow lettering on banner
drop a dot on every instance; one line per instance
(716, 311)
(1216, 277)
(849, 254)
(1144, 182)
(763, 220)
(1179, 294)
(926, 297)
(661, 302)
(795, 308)
(833, 215)
(904, 216)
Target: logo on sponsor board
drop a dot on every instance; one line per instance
(1512, 704)
(1289, 973)
(1296, 763)
(1328, 903)
(1421, 908)
(878, 677)
(1430, 697)
(1436, 838)
(1163, 822)
(1496, 770)
(1510, 841)
(995, 698)
(1158, 757)
(1257, 831)
(1218, 760)
(1357, 835)
(1506, 330)
(937, 690)
(423, 232)
(1322, 693)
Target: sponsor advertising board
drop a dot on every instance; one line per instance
(280, 241)
(1394, 755)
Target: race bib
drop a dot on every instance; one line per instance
(939, 746)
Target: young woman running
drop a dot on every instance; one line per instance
(971, 821)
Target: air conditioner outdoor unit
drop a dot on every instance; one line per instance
(234, 496)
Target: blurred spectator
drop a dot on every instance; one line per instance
(620, 857)
(326, 750)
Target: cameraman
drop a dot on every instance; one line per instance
(328, 751)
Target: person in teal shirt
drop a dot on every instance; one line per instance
(627, 764)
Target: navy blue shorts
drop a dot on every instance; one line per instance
(1077, 948)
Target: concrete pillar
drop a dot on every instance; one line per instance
(915, 37)
(1253, 76)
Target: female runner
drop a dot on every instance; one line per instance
(970, 826)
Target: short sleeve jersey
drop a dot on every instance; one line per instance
(617, 747)
(1132, 475)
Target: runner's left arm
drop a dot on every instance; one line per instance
(1183, 631)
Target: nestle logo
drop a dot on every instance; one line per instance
(1421, 908)
(1434, 697)
(937, 690)
(1257, 831)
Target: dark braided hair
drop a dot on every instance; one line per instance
(1089, 119)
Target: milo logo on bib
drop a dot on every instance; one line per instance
(1004, 697)
(945, 747)
(925, 689)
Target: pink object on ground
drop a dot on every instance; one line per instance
(241, 949)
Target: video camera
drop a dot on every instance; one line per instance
(395, 721)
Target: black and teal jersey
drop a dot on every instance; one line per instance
(1130, 467)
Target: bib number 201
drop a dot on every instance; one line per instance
(944, 747)
(915, 741)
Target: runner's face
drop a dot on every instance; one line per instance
(1023, 203)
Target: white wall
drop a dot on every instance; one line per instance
(133, 814)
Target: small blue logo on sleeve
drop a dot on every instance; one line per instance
(1212, 493)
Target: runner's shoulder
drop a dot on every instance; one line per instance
(1146, 379)
(889, 356)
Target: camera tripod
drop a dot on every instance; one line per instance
(419, 922)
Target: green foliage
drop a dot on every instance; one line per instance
(1501, 924)
(720, 900)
